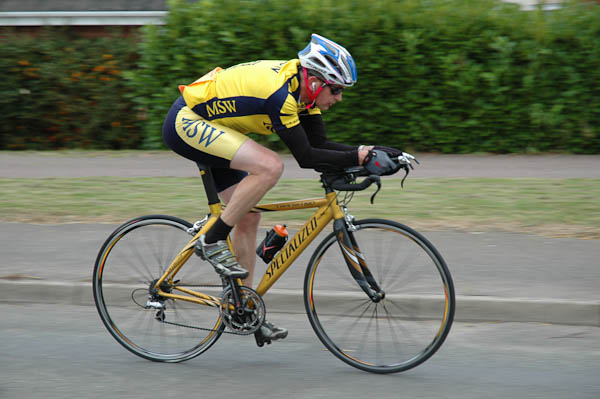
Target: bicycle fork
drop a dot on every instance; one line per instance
(356, 262)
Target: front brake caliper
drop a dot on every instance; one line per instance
(349, 219)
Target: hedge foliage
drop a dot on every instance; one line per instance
(452, 76)
(61, 91)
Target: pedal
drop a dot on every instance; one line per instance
(260, 339)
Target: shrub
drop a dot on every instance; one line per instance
(451, 76)
(60, 91)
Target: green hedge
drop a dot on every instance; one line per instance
(452, 76)
(59, 90)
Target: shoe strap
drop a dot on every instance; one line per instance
(222, 254)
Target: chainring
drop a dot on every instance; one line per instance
(247, 318)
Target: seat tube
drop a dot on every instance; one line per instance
(209, 184)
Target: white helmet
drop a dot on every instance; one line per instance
(329, 60)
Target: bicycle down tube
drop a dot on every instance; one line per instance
(327, 209)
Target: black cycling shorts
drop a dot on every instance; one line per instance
(223, 175)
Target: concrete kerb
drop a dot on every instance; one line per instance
(468, 309)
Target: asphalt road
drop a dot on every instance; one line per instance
(51, 349)
(62, 352)
(490, 264)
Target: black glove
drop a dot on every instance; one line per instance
(392, 152)
(378, 162)
(404, 158)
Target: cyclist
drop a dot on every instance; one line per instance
(209, 124)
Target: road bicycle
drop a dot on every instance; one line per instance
(377, 293)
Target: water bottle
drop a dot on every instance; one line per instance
(273, 242)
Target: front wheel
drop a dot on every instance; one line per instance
(129, 263)
(392, 334)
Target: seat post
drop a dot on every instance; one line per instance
(209, 184)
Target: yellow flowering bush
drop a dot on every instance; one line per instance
(62, 91)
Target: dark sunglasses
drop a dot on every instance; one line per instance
(335, 90)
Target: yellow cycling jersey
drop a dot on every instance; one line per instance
(255, 97)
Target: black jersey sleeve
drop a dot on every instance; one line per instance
(316, 152)
(315, 130)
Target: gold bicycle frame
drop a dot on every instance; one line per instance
(327, 209)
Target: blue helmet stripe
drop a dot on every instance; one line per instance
(352, 68)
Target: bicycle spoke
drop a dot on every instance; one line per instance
(153, 249)
(402, 276)
(354, 324)
(136, 261)
(137, 254)
(395, 340)
(406, 332)
(402, 330)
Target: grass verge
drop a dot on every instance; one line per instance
(557, 208)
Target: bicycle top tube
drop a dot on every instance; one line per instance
(332, 179)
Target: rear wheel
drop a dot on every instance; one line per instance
(131, 260)
(403, 329)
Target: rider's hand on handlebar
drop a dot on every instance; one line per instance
(404, 158)
(363, 151)
(378, 162)
(392, 152)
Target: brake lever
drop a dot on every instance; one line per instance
(405, 163)
(406, 158)
(405, 175)
(377, 181)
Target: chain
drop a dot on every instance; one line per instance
(199, 328)
(187, 325)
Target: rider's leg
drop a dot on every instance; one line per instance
(264, 167)
(231, 155)
(243, 237)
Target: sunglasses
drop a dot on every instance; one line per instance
(335, 90)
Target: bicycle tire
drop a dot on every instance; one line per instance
(134, 256)
(406, 327)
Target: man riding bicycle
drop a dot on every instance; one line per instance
(209, 124)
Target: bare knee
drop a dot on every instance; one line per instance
(269, 167)
(273, 168)
(259, 161)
